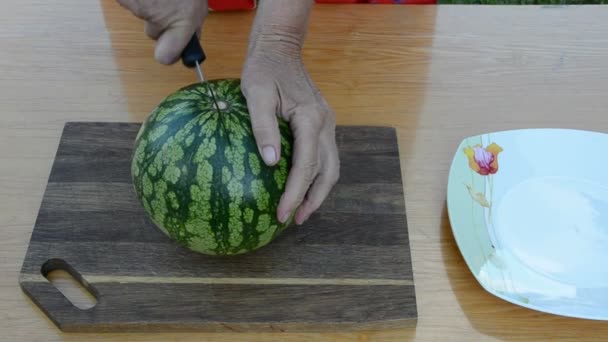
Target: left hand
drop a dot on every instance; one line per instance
(275, 82)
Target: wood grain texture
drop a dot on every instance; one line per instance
(220, 307)
(438, 74)
(148, 259)
(92, 226)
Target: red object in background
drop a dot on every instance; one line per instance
(231, 5)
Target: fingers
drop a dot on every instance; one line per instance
(262, 104)
(171, 23)
(172, 42)
(327, 178)
(152, 30)
(306, 129)
(134, 6)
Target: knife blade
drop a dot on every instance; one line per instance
(192, 57)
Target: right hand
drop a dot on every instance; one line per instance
(275, 83)
(170, 22)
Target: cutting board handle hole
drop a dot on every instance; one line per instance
(70, 283)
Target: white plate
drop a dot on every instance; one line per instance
(529, 211)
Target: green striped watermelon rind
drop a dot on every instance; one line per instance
(198, 174)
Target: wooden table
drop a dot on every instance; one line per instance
(438, 74)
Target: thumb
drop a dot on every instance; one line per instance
(262, 105)
(172, 42)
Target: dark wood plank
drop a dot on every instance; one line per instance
(101, 140)
(96, 152)
(350, 229)
(274, 261)
(124, 226)
(114, 138)
(367, 140)
(109, 167)
(348, 267)
(235, 307)
(375, 198)
(377, 168)
(93, 169)
(102, 226)
(90, 197)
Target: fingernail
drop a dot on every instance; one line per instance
(269, 154)
(285, 217)
(304, 219)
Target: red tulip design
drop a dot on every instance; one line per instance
(483, 160)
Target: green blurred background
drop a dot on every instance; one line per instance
(524, 2)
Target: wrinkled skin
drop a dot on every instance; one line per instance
(275, 83)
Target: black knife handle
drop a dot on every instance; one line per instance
(193, 52)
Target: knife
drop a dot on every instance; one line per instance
(192, 57)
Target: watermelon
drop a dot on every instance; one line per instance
(198, 174)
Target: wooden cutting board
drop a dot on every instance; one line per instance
(347, 268)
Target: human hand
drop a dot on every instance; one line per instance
(170, 22)
(275, 82)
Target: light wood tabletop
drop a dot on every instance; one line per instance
(437, 74)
